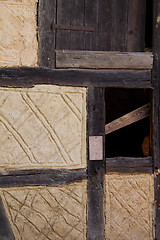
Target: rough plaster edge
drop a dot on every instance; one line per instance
(55, 90)
(29, 3)
(15, 231)
(122, 176)
(18, 2)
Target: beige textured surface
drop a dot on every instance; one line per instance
(44, 126)
(18, 42)
(52, 213)
(129, 202)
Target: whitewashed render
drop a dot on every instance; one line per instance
(129, 206)
(41, 127)
(18, 41)
(47, 213)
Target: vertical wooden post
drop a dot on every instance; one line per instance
(96, 168)
(156, 114)
(46, 35)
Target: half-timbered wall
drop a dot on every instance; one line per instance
(41, 127)
(44, 128)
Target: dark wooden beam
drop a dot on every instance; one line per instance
(43, 177)
(46, 35)
(156, 114)
(129, 165)
(28, 77)
(96, 168)
(5, 228)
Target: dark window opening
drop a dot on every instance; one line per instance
(149, 25)
(132, 140)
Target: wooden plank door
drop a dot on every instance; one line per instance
(115, 26)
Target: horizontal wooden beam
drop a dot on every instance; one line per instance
(103, 60)
(129, 118)
(129, 165)
(41, 177)
(28, 77)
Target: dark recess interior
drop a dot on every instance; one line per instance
(149, 25)
(127, 141)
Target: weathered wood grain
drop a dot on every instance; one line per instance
(41, 177)
(156, 114)
(119, 25)
(104, 34)
(136, 25)
(91, 19)
(129, 165)
(77, 18)
(63, 17)
(96, 169)
(28, 77)
(128, 118)
(46, 36)
(103, 60)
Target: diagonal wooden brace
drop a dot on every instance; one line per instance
(128, 119)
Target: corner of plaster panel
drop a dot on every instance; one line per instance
(18, 28)
(47, 212)
(129, 205)
(43, 127)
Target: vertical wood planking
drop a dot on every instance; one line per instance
(105, 24)
(156, 114)
(63, 17)
(96, 169)
(46, 36)
(119, 21)
(91, 20)
(119, 26)
(136, 25)
(77, 19)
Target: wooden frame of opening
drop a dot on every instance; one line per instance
(156, 115)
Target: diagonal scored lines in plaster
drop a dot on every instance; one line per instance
(42, 127)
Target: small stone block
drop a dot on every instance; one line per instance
(95, 148)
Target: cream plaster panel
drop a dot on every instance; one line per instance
(50, 213)
(18, 42)
(44, 126)
(129, 203)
